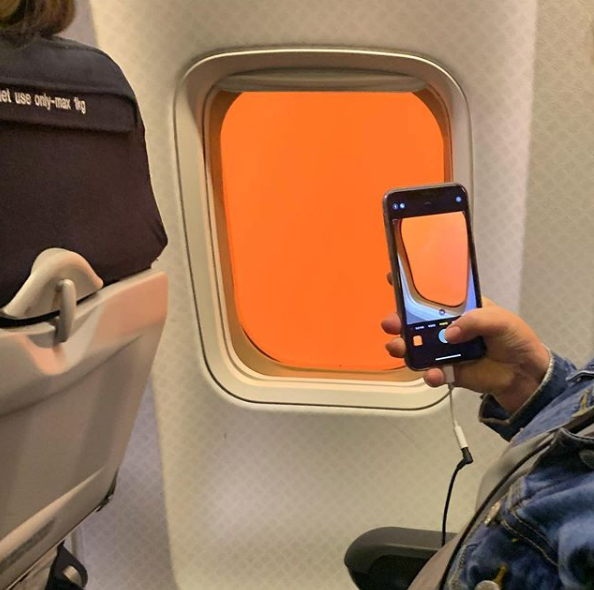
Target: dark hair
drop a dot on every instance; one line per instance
(36, 17)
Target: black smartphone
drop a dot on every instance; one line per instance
(434, 270)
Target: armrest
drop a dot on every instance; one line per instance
(389, 558)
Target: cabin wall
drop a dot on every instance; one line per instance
(557, 287)
(218, 493)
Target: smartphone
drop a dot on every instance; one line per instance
(434, 270)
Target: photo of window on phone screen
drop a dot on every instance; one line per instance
(434, 270)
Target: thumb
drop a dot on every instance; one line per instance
(483, 321)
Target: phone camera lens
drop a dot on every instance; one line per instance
(402, 205)
(428, 203)
(458, 199)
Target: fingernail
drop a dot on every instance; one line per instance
(452, 333)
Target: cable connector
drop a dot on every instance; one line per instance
(458, 432)
(467, 458)
(448, 371)
(460, 436)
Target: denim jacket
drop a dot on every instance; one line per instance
(541, 534)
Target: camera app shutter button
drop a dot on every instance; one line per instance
(441, 336)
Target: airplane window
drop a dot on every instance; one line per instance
(299, 179)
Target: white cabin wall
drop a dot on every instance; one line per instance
(557, 295)
(265, 497)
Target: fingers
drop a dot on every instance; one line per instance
(484, 376)
(434, 377)
(392, 324)
(396, 347)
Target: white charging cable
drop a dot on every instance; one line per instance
(467, 459)
(448, 371)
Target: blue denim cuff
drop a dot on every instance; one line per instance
(553, 383)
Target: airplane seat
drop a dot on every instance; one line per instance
(81, 310)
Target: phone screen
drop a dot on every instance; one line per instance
(434, 269)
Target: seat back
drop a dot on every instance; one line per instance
(67, 411)
(77, 212)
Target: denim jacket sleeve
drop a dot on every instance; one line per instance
(554, 383)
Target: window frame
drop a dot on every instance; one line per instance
(234, 362)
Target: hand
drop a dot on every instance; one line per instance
(513, 367)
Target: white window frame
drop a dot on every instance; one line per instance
(278, 384)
